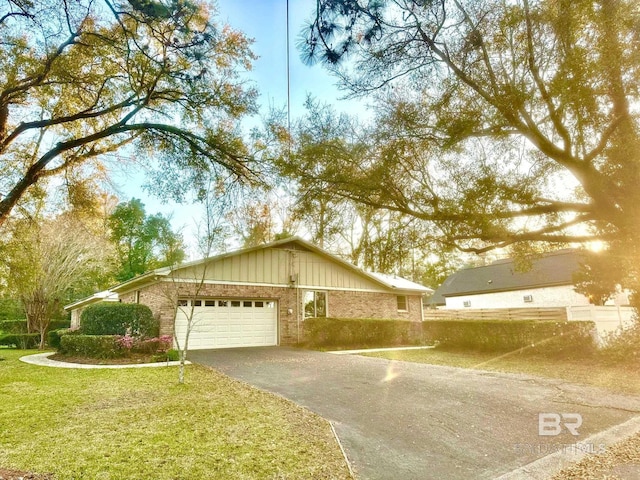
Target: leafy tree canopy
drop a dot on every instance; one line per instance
(498, 122)
(82, 79)
(320, 146)
(49, 261)
(600, 276)
(143, 242)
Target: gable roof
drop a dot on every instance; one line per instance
(387, 282)
(552, 269)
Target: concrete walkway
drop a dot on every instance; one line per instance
(417, 421)
(43, 360)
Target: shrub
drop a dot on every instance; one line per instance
(622, 346)
(153, 345)
(53, 337)
(173, 355)
(119, 319)
(13, 326)
(59, 325)
(548, 337)
(21, 340)
(337, 332)
(96, 346)
(125, 342)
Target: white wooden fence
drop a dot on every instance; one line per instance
(609, 320)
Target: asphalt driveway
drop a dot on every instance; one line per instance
(416, 421)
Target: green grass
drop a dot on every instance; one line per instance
(622, 378)
(140, 424)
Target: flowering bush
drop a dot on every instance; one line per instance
(166, 342)
(153, 345)
(111, 346)
(125, 342)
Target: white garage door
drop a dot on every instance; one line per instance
(226, 323)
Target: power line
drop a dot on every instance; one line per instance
(288, 83)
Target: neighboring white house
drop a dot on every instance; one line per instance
(548, 283)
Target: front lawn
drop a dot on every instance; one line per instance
(621, 377)
(140, 424)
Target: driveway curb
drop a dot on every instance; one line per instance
(548, 466)
(374, 350)
(41, 359)
(344, 452)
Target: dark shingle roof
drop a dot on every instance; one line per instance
(552, 269)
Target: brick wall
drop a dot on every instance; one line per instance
(343, 304)
(161, 298)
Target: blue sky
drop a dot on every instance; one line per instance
(265, 22)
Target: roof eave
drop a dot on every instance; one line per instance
(141, 280)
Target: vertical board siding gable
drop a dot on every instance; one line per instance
(274, 266)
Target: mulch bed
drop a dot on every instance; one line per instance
(18, 475)
(134, 358)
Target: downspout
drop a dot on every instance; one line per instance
(293, 283)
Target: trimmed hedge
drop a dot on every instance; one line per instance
(21, 340)
(54, 336)
(59, 325)
(20, 326)
(546, 337)
(508, 335)
(338, 332)
(119, 319)
(13, 326)
(96, 346)
(152, 345)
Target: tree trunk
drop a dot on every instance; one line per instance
(38, 316)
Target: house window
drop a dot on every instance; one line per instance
(315, 304)
(183, 303)
(235, 303)
(209, 303)
(247, 303)
(402, 303)
(528, 298)
(466, 303)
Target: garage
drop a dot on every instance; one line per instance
(227, 322)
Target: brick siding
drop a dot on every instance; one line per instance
(346, 304)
